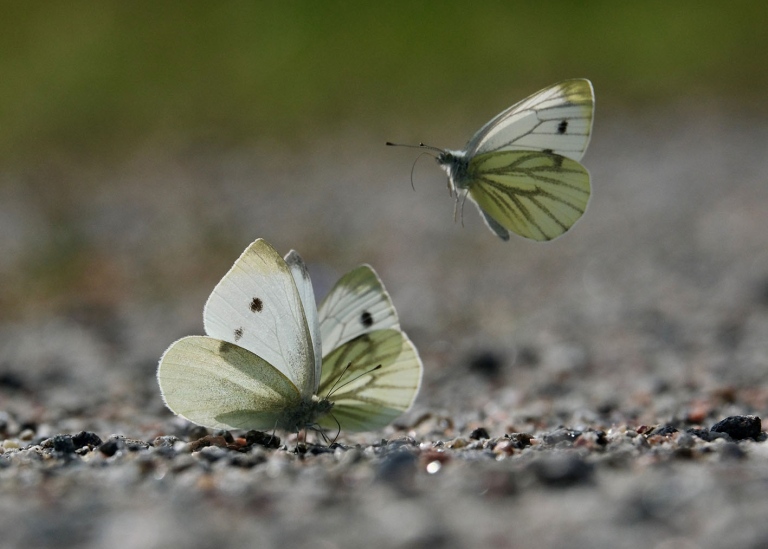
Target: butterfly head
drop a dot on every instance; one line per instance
(456, 165)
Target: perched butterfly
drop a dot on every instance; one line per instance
(272, 360)
(521, 169)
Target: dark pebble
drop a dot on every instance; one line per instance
(664, 430)
(606, 407)
(31, 425)
(207, 440)
(684, 453)
(317, 449)
(111, 447)
(267, 440)
(701, 433)
(197, 432)
(11, 381)
(602, 438)
(165, 441)
(479, 434)
(135, 445)
(399, 443)
(561, 471)
(63, 444)
(739, 427)
(519, 440)
(226, 434)
(85, 438)
(487, 364)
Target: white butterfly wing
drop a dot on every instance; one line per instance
(257, 306)
(372, 379)
(556, 119)
(224, 386)
(307, 294)
(356, 305)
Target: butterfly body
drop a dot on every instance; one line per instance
(456, 165)
(305, 414)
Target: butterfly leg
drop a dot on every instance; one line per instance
(461, 214)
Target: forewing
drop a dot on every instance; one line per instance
(307, 294)
(257, 306)
(556, 119)
(534, 194)
(356, 305)
(371, 380)
(223, 386)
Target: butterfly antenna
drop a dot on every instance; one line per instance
(419, 146)
(333, 387)
(353, 379)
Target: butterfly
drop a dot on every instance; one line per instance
(521, 169)
(273, 360)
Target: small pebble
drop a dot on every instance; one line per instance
(479, 433)
(63, 444)
(111, 447)
(268, 440)
(520, 440)
(739, 427)
(561, 435)
(664, 430)
(85, 438)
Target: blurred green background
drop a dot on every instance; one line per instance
(86, 80)
(107, 108)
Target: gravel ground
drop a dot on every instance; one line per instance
(602, 390)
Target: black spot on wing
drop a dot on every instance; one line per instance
(238, 334)
(562, 127)
(256, 305)
(366, 319)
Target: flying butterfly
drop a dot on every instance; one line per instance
(272, 360)
(521, 169)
